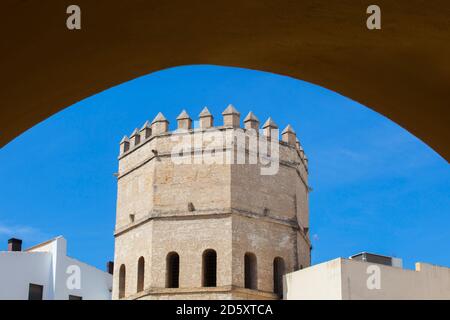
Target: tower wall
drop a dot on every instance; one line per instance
(175, 202)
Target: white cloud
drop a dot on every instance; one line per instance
(21, 231)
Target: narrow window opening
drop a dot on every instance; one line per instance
(35, 292)
(122, 281)
(278, 272)
(141, 274)
(250, 271)
(173, 270)
(209, 268)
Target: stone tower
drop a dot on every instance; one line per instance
(211, 212)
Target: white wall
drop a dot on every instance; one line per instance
(19, 269)
(347, 279)
(426, 282)
(319, 282)
(95, 284)
(47, 265)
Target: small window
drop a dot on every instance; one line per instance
(209, 268)
(250, 271)
(35, 292)
(278, 272)
(122, 281)
(73, 297)
(173, 270)
(140, 275)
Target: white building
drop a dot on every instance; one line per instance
(46, 272)
(373, 278)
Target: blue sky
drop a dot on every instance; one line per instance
(375, 186)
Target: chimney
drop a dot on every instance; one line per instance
(110, 267)
(14, 244)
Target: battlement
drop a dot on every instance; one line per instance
(231, 120)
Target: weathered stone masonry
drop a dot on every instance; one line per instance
(207, 231)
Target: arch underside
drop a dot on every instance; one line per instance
(401, 71)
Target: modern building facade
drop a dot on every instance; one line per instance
(45, 272)
(370, 279)
(195, 222)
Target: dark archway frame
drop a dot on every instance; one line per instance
(401, 71)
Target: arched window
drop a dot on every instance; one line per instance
(172, 270)
(122, 281)
(140, 275)
(209, 268)
(251, 273)
(278, 272)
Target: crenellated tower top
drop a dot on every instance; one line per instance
(231, 120)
